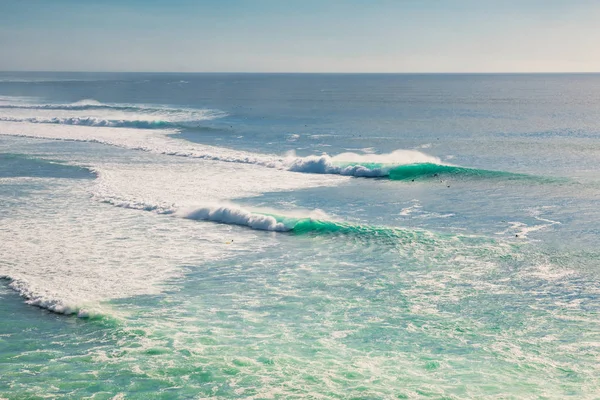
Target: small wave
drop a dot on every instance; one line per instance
(100, 122)
(137, 204)
(79, 105)
(44, 300)
(96, 105)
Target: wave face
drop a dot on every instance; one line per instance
(88, 104)
(431, 170)
(257, 219)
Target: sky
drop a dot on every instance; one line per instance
(300, 36)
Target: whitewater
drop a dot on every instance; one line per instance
(302, 236)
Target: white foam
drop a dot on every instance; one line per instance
(157, 141)
(236, 216)
(140, 117)
(326, 164)
(70, 255)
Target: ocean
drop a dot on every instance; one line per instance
(301, 236)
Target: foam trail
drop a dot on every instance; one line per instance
(43, 299)
(93, 121)
(88, 104)
(352, 164)
(397, 165)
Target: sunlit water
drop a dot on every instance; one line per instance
(299, 236)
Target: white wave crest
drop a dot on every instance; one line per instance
(168, 113)
(236, 216)
(93, 121)
(352, 164)
(43, 299)
(346, 164)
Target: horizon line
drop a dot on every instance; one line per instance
(312, 72)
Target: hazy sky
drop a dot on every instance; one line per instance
(301, 36)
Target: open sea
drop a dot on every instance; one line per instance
(299, 236)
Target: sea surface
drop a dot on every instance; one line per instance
(298, 236)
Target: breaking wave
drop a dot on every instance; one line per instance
(88, 104)
(42, 299)
(309, 223)
(425, 170)
(92, 121)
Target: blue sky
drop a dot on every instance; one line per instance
(301, 36)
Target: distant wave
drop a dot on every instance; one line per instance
(96, 105)
(92, 121)
(80, 105)
(15, 165)
(397, 165)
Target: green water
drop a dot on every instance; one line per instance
(317, 325)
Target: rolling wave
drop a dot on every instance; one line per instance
(234, 215)
(99, 122)
(40, 298)
(431, 170)
(89, 104)
(170, 114)
(397, 165)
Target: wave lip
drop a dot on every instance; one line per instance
(43, 300)
(237, 216)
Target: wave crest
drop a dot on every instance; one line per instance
(237, 216)
(42, 299)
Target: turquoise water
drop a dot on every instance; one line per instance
(207, 260)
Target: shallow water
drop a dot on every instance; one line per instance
(299, 236)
